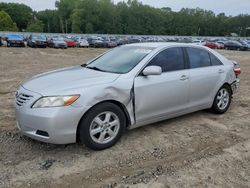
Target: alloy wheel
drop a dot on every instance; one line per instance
(222, 99)
(104, 127)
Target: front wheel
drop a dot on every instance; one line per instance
(102, 126)
(222, 100)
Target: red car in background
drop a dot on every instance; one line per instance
(70, 43)
(213, 45)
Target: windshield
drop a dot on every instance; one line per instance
(14, 37)
(58, 39)
(37, 37)
(120, 60)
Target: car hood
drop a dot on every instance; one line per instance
(67, 79)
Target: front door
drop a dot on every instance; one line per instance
(160, 95)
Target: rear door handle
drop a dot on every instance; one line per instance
(221, 71)
(184, 77)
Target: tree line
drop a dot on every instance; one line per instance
(131, 17)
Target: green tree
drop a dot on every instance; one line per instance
(6, 23)
(19, 13)
(50, 19)
(35, 26)
(76, 21)
(89, 28)
(65, 9)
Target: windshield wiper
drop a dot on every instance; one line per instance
(95, 68)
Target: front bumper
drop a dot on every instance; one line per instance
(57, 125)
(60, 45)
(41, 44)
(16, 43)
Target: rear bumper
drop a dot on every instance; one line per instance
(235, 86)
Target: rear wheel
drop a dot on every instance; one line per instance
(102, 126)
(222, 100)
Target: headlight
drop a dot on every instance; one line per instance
(55, 101)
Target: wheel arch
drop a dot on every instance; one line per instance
(117, 103)
(229, 86)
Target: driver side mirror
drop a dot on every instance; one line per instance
(152, 70)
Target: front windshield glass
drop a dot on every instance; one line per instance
(120, 60)
(58, 39)
(38, 37)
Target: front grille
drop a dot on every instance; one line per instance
(22, 99)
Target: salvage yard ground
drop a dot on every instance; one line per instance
(196, 150)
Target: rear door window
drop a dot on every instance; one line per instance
(214, 60)
(198, 58)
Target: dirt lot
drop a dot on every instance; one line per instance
(196, 150)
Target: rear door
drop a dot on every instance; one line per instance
(206, 73)
(159, 95)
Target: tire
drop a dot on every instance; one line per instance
(222, 100)
(97, 119)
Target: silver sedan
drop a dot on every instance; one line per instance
(127, 87)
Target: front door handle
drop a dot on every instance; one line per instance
(184, 77)
(221, 71)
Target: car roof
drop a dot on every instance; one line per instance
(161, 45)
(164, 44)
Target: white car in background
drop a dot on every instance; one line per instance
(199, 42)
(83, 43)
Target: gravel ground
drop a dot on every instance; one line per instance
(196, 150)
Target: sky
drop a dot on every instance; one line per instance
(229, 7)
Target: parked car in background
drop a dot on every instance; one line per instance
(133, 40)
(35, 41)
(213, 45)
(199, 42)
(83, 43)
(96, 42)
(235, 45)
(109, 44)
(222, 44)
(244, 44)
(248, 44)
(15, 40)
(94, 103)
(57, 42)
(122, 41)
(1, 43)
(70, 43)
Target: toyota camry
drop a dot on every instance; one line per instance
(127, 87)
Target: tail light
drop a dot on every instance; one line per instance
(237, 69)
